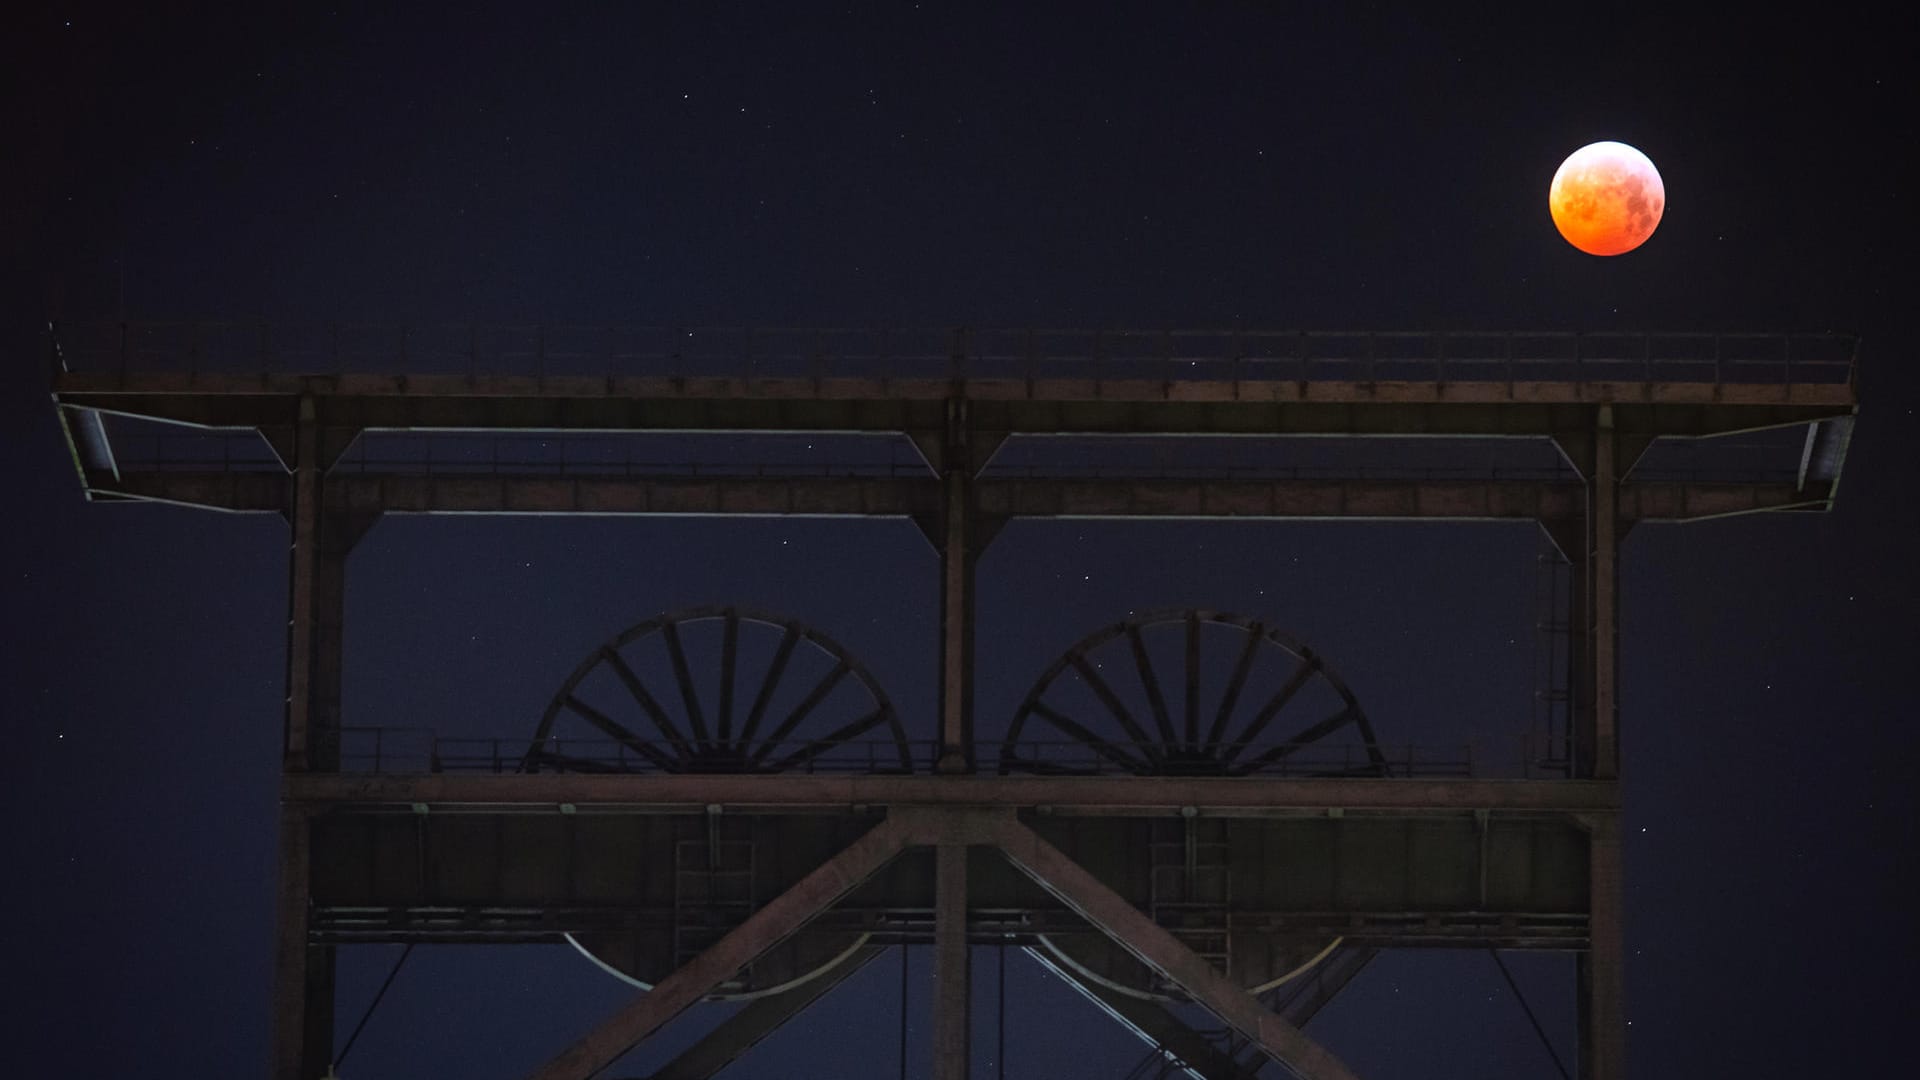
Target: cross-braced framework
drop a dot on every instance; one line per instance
(1190, 806)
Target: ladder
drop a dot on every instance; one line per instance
(1552, 741)
(1190, 888)
(712, 894)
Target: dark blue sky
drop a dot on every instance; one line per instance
(1210, 164)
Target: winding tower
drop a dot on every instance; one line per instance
(1190, 806)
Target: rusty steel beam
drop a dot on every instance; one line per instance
(1603, 514)
(1301, 1000)
(1600, 977)
(106, 389)
(960, 535)
(1019, 406)
(758, 1019)
(305, 580)
(546, 792)
(863, 497)
(762, 930)
(798, 496)
(1159, 949)
(952, 981)
(303, 972)
(1153, 1022)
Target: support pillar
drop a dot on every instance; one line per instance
(1603, 517)
(1592, 545)
(1601, 985)
(305, 589)
(959, 534)
(953, 986)
(957, 561)
(303, 974)
(322, 537)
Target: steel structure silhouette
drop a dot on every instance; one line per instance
(1190, 805)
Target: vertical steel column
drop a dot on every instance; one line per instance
(1601, 985)
(1603, 517)
(1593, 602)
(953, 988)
(316, 610)
(303, 974)
(957, 561)
(303, 572)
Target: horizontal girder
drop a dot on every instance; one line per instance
(553, 792)
(856, 496)
(1040, 406)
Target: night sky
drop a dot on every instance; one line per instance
(1176, 165)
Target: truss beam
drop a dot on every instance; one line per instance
(1154, 1023)
(762, 930)
(758, 1019)
(1159, 949)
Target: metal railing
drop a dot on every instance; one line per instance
(947, 353)
(1524, 756)
(414, 750)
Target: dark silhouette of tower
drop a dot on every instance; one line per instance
(1190, 805)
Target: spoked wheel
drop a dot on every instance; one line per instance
(1191, 693)
(719, 690)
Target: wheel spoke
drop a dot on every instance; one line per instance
(648, 704)
(775, 669)
(729, 652)
(1189, 744)
(1151, 684)
(1308, 665)
(614, 729)
(816, 747)
(1306, 737)
(530, 762)
(1234, 685)
(681, 675)
(1099, 745)
(1193, 681)
(808, 704)
(1374, 754)
(726, 734)
(1114, 705)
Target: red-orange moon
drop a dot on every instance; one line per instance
(1607, 198)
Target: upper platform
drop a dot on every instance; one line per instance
(112, 381)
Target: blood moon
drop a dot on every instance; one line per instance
(1607, 198)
